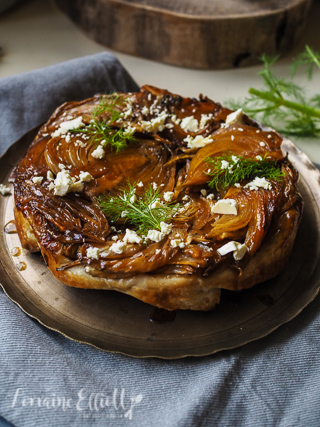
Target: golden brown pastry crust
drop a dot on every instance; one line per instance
(187, 277)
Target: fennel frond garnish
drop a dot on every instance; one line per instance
(101, 130)
(282, 103)
(144, 212)
(226, 171)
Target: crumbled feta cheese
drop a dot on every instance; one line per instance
(198, 141)
(203, 192)
(118, 247)
(262, 144)
(237, 185)
(68, 125)
(225, 207)
(157, 251)
(51, 186)
(167, 196)
(93, 253)
(155, 235)
(224, 164)
(189, 124)
(185, 198)
(85, 176)
(238, 249)
(154, 185)
(232, 137)
(259, 182)
(37, 179)
(145, 110)
(131, 237)
(50, 176)
(98, 153)
(156, 204)
(133, 198)
(235, 159)
(175, 243)
(140, 184)
(61, 166)
(155, 125)
(77, 186)
(165, 227)
(115, 238)
(210, 196)
(205, 118)
(235, 117)
(4, 190)
(259, 158)
(63, 183)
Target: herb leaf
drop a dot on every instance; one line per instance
(144, 212)
(101, 131)
(283, 104)
(228, 170)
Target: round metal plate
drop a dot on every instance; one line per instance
(116, 322)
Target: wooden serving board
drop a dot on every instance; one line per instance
(205, 34)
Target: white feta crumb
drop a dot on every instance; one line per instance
(262, 144)
(235, 117)
(140, 184)
(237, 185)
(259, 183)
(63, 183)
(37, 179)
(167, 196)
(68, 137)
(269, 136)
(85, 176)
(165, 227)
(224, 164)
(198, 141)
(118, 247)
(61, 166)
(189, 124)
(238, 249)
(156, 204)
(155, 235)
(131, 237)
(77, 186)
(98, 153)
(225, 207)
(51, 186)
(203, 192)
(50, 176)
(232, 137)
(259, 158)
(205, 118)
(157, 251)
(4, 190)
(133, 198)
(145, 110)
(235, 159)
(154, 185)
(93, 253)
(155, 125)
(185, 198)
(175, 243)
(68, 125)
(130, 130)
(115, 238)
(210, 196)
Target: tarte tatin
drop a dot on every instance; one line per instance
(164, 198)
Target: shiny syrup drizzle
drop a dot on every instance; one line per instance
(159, 315)
(21, 266)
(16, 251)
(10, 227)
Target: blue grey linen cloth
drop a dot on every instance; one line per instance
(49, 380)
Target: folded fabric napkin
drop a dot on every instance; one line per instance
(49, 380)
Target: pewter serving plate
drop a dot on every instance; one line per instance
(118, 323)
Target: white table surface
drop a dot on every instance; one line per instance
(36, 34)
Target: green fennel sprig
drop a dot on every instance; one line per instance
(144, 212)
(282, 103)
(228, 170)
(102, 131)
